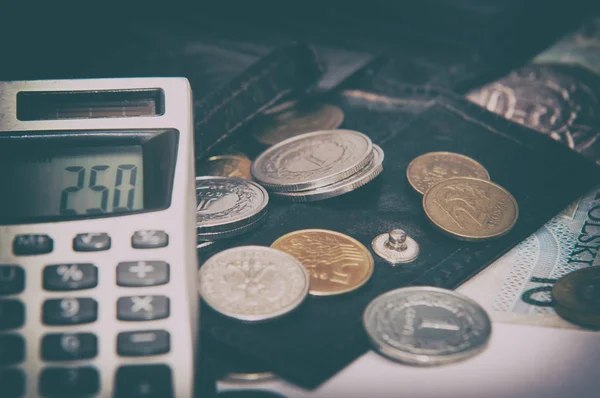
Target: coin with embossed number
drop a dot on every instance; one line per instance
(362, 177)
(226, 166)
(426, 325)
(336, 262)
(312, 160)
(226, 203)
(471, 209)
(253, 283)
(428, 169)
(296, 120)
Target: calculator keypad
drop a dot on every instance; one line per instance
(69, 311)
(12, 279)
(69, 346)
(12, 382)
(12, 350)
(142, 273)
(91, 242)
(144, 381)
(31, 244)
(68, 382)
(149, 239)
(143, 343)
(12, 314)
(63, 277)
(142, 308)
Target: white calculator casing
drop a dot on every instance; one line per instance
(178, 221)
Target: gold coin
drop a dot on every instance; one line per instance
(471, 209)
(579, 291)
(226, 166)
(298, 120)
(336, 262)
(249, 377)
(427, 170)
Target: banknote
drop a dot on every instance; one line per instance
(517, 287)
(556, 94)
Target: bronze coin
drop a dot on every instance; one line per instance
(427, 170)
(298, 120)
(579, 291)
(336, 262)
(471, 209)
(226, 166)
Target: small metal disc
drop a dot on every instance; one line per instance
(312, 160)
(226, 166)
(579, 291)
(253, 283)
(227, 203)
(426, 326)
(396, 247)
(249, 377)
(361, 178)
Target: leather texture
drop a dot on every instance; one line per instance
(325, 333)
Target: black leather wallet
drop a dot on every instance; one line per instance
(325, 333)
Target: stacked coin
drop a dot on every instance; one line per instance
(318, 165)
(577, 297)
(426, 326)
(228, 206)
(253, 283)
(459, 197)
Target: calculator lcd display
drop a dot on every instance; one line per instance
(74, 182)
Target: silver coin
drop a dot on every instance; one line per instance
(426, 325)
(226, 203)
(361, 178)
(312, 160)
(230, 233)
(396, 247)
(253, 283)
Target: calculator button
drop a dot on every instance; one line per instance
(12, 314)
(69, 311)
(149, 239)
(142, 273)
(69, 346)
(91, 242)
(142, 308)
(69, 382)
(12, 350)
(142, 343)
(12, 382)
(12, 279)
(32, 244)
(70, 277)
(144, 381)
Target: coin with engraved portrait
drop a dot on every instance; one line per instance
(253, 283)
(226, 203)
(337, 263)
(426, 170)
(226, 166)
(284, 123)
(471, 209)
(361, 178)
(312, 160)
(426, 326)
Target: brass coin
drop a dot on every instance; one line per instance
(226, 166)
(579, 291)
(336, 262)
(298, 120)
(427, 170)
(583, 319)
(471, 209)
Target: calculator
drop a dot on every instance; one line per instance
(98, 255)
